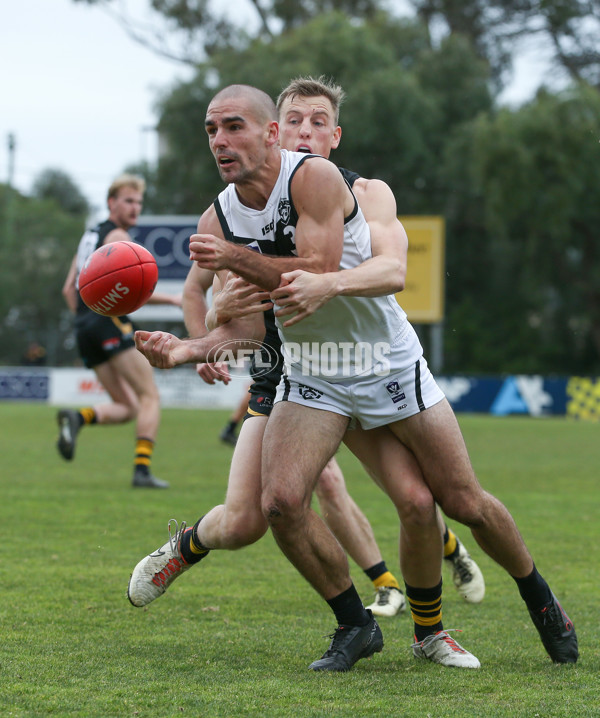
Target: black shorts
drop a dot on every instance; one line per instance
(260, 403)
(262, 393)
(100, 338)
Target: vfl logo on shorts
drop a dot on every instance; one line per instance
(396, 391)
(307, 392)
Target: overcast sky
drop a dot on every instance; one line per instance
(78, 93)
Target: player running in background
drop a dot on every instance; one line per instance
(106, 345)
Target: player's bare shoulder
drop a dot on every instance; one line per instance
(375, 198)
(117, 235)
(318, 177)
(209, 223)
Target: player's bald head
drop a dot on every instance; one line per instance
(258, 102)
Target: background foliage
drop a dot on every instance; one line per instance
(519, 187)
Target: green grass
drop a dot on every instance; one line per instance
(234, 637)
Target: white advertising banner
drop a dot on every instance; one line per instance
(177, 387)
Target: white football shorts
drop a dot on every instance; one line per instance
(372, 400)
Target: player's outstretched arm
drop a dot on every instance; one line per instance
(161, 349)
(195, 307)
(164, 298)
(165, 351)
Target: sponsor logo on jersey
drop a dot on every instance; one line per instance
(112, 343)
(264, 401)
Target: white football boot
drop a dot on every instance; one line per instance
(388, 601)
(467, 576)
(155, 573)
(443, 649)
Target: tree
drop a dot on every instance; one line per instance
(398, 111)
(523, 256)
(496, 27)
(58, 186)
(37, 242)
(189, 31)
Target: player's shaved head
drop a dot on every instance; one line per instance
(259, 103)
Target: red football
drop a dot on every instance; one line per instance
(118, 278)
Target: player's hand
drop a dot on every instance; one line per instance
(239, 298)
(162, 350)
(214, 372)
(209, 251)
(301, 293)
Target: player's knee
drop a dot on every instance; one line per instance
(132, 412)
(150, 395)
(416, 508)
(466, 506)
(330, 484)
(281, 510)
(244, 529)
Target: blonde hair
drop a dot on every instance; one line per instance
(314, 87)
(126, 180)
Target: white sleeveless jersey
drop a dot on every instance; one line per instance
(347, 336)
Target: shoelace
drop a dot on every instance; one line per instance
(463, 570)
(335, 637)
(175, 539)
(552, 619)
(441, 636)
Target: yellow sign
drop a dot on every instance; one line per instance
(423, 295)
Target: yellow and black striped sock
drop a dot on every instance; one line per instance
(143, 455)
(380, 576)
(191, 548)
(88, 415)
(426, 609)
(450, 543)
(386, 579)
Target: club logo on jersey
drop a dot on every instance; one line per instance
(284, 210)
(396, 391)
(307, 392)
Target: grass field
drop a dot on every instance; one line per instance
(234, 636)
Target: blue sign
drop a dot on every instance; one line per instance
(24, 384)
(531, 395)
(168, 239)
